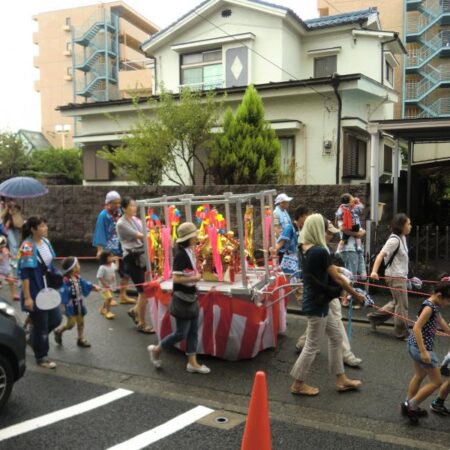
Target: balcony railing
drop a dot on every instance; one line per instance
(204, 86)
(429, 12)
(432, 78)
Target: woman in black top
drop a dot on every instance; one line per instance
(322, 282)
(184, 304)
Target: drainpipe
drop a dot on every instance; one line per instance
(382, 55)
(335, 83)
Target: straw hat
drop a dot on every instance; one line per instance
(186, 230)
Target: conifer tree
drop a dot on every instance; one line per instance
(248, 150)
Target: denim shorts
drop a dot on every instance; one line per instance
(415, 355)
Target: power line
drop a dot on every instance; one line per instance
(293, 77)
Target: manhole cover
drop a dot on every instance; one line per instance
(223, 420)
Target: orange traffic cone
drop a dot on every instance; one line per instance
(257, 429)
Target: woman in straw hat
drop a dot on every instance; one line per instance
(184, 304)
(322, 283)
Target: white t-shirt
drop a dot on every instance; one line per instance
(400, 264)
(108, 274)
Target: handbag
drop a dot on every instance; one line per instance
(138, 256)
(327, 291)
(184, 306)
(53, 279)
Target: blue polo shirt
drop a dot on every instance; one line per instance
(105, 234)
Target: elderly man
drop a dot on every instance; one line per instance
(105, 238)
(281, 218)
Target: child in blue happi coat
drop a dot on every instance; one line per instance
(73, 292)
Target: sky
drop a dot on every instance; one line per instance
(20, 104)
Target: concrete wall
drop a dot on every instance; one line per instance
(72, 210)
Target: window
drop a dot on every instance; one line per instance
(355, 156)
(325, 66)
(67, 21)
(202, 70)
(69, 46)
(69, 71)
(387, 165)
(287, 160)
(389, 73)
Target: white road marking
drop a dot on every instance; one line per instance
(57, 416)
(164, 430)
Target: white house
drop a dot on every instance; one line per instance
(321, 80)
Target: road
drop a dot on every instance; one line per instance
(118, 360)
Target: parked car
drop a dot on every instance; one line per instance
(12, 350)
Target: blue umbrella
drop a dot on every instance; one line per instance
(22, 187)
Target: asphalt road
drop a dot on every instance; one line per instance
(116, 422)
(118, 359)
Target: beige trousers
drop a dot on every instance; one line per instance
(336, 311)
(398, 305)
(317, 328)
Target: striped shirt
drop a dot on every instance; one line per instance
(45, 253)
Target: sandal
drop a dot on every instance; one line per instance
(309, 391)
(132, 314)
(145, 329)
(350, 385)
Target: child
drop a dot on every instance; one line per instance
(5, 268)
(420, 347)
(349, 212)
(107, 277)
(72, 293)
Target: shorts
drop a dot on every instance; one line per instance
(415, 355)
(107, 294)
(136, 273)
(120, 268)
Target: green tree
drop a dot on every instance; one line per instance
(65, 163)
(13, 156)
(167, 139)
(248, 150)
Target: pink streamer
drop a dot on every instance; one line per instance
(268, 224)
(165, 237)
(213, 236)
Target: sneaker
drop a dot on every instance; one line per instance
(420, 411)
(83, 343)
(58, 337)
(47, 364)
(352, 361)
(156, 362)
(202, 369)
(412, 414)
(439, 408)
(445, 371)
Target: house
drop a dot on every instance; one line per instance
(321, 82)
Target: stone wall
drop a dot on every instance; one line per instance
(72, 210)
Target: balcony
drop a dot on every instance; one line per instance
(136, 77)
(204, 86)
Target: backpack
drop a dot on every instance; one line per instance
(347, 218)
(384, 265)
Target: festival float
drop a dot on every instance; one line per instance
(242, 300)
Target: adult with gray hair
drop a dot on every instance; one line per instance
(106, 238)
(322, 283)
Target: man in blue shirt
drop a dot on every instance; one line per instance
(281, 218)
(105, 238)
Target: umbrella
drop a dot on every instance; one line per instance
(22, 187)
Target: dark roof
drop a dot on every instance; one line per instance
(309, 25)
(340, 19)
(232, 90)
(418, 130)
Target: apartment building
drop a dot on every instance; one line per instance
(423, 77)
(320, 80)
(88, 54)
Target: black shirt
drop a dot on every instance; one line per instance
(182, 264)
(317, 260)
